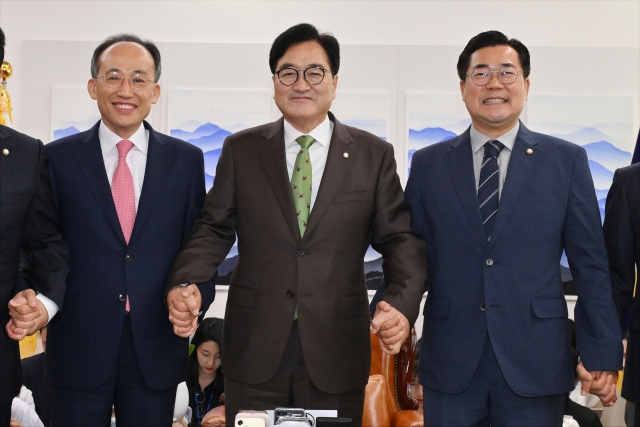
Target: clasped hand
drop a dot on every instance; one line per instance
(390, 326)
(28, 315)
(599, 383)
(184, 307)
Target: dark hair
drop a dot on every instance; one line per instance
(209, 330)
(119, 38)
(305, 33)
(2, 41)
(489, 39)
(574, 348)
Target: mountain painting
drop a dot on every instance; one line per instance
(205, 118)
(72, 111)
(602, 125)
(363, 110)
(433, 117)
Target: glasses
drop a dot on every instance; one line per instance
(114, 80)
(312, 75)
(200, 406)
(482, 76)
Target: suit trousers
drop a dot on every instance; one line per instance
(489, 401)
(136, 404)
(291, 387)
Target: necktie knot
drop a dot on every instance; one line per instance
(305, 141)
(124, 147)
(492, 148)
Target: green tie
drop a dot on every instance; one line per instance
(301, 182)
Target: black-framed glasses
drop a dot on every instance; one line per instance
(114, 79)
(312, 75)
(482, 76)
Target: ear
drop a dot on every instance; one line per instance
(335, 85)
(462, 86)
(92, 89)
(527, 83)
(156, 93)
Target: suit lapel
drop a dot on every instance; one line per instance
(89, 157)
(159, 154)
(6, 160)
(335, 171)
(520, 168)
(273, 157)
(460, 163)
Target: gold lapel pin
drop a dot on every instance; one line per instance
(345, 155)
(5, 152)
(529, 151)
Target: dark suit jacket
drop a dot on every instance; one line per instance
(359, 202)
(83, 340)
(511, 287)
(34, 377)
(28, 221)
(622, 234)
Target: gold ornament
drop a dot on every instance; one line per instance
(5, 98)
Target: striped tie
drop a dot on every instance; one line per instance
(488, 195)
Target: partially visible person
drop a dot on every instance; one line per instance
(23, 414)
(622, 237)
(583, 415)
(34, 377)
(416, 388)
(205, 379)
(126, 196)
(28, 222)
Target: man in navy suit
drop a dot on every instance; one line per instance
(126, 197)
(497, 205)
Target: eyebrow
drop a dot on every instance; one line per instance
(290, 65)
(505, 64)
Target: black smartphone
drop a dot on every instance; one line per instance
(332, 422)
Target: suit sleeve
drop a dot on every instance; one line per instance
(618, 236)
(46, 254)
(413, 196)
(597, 332)
(402, 250)
(212, 235)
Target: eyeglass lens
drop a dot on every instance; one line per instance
(114, 79)
(482, 76)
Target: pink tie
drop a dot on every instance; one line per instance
(123, 195)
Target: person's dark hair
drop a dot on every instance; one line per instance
(574, 347)
(119, 38)
(2, 41)
(490, 39)
(305, 33)
(416, 362)
(210, 329)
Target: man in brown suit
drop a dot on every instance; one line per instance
(296, 328)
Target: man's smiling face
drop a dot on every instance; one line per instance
(123, 108)
(496, 107)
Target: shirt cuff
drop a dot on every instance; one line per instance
(52, 307)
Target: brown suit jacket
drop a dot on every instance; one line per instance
(360, 202)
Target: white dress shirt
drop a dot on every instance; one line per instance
(137, 161)
(318, 151)
(508, 139)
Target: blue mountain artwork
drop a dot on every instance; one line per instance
(61, 133)
(607, 154)
(426, 137)
(204, 130)
(602, 177)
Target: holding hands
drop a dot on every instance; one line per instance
(391, 327)
(28, 315)
(184, 307)
(599, 383)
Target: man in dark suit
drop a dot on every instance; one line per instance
(622, 236)
(305, 195)
(495, 346)
(28, 222)
(126, 198)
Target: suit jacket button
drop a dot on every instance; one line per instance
(483, 307)
(128, 258)
(301, 252)
(489, 262)
(122, 297)
(289, 293)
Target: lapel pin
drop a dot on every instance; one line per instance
(529, 151)
(5, 152)
(345, 155)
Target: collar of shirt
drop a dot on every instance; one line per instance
(322, 133)
(508, 139)
(109, 140)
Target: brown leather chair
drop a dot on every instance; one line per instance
(387, 400)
